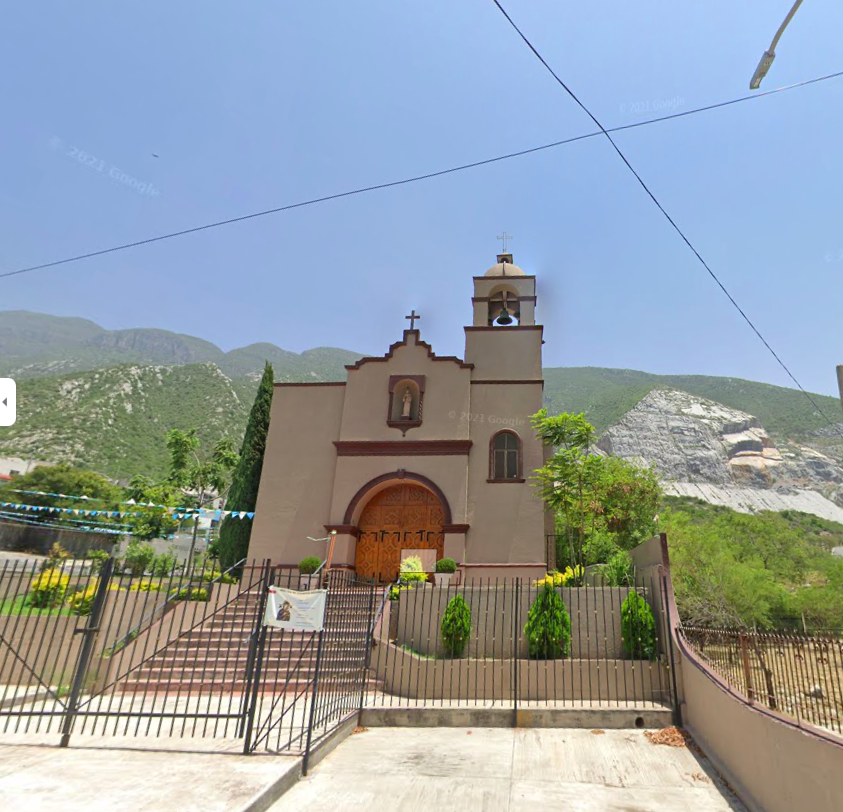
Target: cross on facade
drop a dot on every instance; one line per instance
(412, 317)
(505, 237)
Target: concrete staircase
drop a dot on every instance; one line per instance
(214, 657)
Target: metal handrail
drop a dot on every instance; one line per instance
(386, 595)
(135, 631)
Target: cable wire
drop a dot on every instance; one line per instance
(661, 208)
(416, 178)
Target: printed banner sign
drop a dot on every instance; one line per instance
(300, 611)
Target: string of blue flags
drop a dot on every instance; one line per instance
(178, 513)
(18, 518)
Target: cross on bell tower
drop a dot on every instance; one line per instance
(412, 317)
(504, 237)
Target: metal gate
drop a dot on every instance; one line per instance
(312, 682)
(85, 649)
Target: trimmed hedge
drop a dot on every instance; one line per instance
(548, 628)
(638, 628)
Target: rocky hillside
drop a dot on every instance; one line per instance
(726, 456)
(115, 420)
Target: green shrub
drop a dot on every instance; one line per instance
(48, 589)
(98, 559)
(82, 602)
(445, 565)
(456, 626)
(548, 628)
(197, 593)
(600, 548)
(139, 557)
(638, 628)
(618, 570)
(309, 565)
(164, 564)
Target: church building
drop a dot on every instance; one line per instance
(417, 454)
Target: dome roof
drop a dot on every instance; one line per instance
(505, 269)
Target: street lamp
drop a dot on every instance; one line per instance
(770, 55)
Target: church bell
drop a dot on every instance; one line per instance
(504, 318)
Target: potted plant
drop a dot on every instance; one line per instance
(445, 569)
(308, 566)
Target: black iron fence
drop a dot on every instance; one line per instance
(86, 648)
(795, 674)
(522, 642)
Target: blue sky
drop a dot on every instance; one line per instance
(255, 105)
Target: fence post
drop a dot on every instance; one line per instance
(516, 640)
(370, 644)
(256, 657)
(747, 673)
(313, 701)
(84, 661)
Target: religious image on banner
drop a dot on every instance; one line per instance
(299, 611)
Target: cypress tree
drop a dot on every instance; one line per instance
(243, 494)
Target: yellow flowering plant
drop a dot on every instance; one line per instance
(556, 578)
(47, 589)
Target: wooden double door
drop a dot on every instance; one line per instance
(401, 517)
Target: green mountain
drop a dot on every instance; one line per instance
(114, 420)
(105, 399)
(33, 345)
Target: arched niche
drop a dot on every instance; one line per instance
(406, 399)
(498, 296)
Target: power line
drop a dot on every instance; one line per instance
(661, 208)
(416, 178)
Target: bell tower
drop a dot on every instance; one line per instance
(504, 341)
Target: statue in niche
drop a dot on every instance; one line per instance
(408, 404)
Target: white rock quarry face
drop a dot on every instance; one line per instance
(688, 439)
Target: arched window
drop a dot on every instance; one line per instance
(505, 457)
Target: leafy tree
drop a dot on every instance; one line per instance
(548, 628)
(234, 533)
(63, 479)
(198, 479)
(151, 522)
(602, 504)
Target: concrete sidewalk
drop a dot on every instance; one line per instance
(446, 769)
(112, 774)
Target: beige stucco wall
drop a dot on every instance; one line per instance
(773, 766)
(298, 473)
(367, 396)
(407, 675)
(504, 353)
(507, 519)
(772, 763)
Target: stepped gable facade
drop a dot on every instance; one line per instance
(417, 454)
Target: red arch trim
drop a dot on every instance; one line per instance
(398, 476)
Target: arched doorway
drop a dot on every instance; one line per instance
(404, 516)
